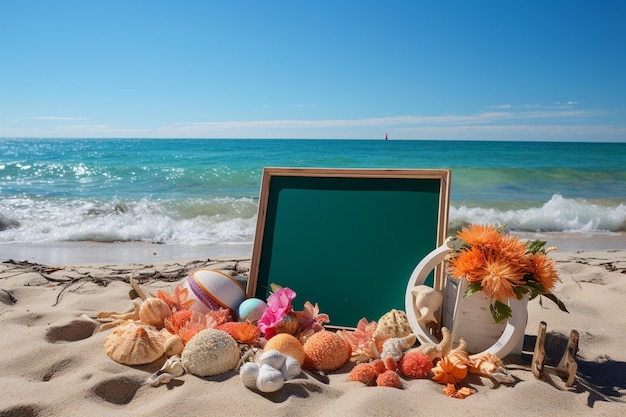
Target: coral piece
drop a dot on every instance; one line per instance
(153, 311)
(134, 344)
(491, 366)
(172, 368)
(427, 302)
(178, 301)
(210, 352)
(379, 365)
(393, 324)
(439, 350)
(288, 345)
(326, 351)
(365, 373)
(449, 372)
(361, 340)
(396, 346)
(451, 391)
(244, 332)
(415, 364)
(388, 379)
(110, 319)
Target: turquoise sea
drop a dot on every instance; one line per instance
(206, 191)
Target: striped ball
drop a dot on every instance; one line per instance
(214, 290)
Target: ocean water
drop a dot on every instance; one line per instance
(205, 192)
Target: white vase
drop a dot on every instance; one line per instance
(470, 318)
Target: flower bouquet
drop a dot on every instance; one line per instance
(502, 267)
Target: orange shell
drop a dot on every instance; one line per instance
(448, 372)
(326, 351)
(154, 311)
(287, 345)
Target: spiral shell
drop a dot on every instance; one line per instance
(154, 311)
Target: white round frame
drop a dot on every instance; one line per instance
(515, 327)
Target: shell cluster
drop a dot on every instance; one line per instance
(270, 372)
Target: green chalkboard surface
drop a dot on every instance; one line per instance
(347, 239)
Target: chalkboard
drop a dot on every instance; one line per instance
(347, 239)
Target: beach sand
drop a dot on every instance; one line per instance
(54, 362)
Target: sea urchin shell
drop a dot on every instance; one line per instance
(210, 352)
(326, 351)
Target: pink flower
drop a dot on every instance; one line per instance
(310, 317)
(278, 306)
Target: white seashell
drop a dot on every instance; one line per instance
(171, 369)
(291, 368)
(248, 373)
(396, 346)
(427, 302)
(269, 379)
(273, 358)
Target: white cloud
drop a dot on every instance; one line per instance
(502, 106)
(57, 118)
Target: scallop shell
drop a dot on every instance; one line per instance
(393, 324)
(134, 344)
(154, 311)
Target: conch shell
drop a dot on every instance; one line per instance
(489, 365)
(134, 344)
(172, 368)
(427, 302)
(393, 324)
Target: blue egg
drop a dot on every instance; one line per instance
(251, 309)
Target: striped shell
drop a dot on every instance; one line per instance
(154, 311)
(134, 344)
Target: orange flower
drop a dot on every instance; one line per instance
(449, 372)
(467, 264)
(479, 234)
(499, 278)
(178, 301)
(513, 250)
(544, 270)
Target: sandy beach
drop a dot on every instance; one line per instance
(55, 364)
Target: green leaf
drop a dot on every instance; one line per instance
(500, 311)
(472, 288)
(556, 301)
(535, 246)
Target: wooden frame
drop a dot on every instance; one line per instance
(347, 239)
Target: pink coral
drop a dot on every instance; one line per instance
(415, 364)
(311, 318)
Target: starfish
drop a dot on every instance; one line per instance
(434, 351)
(110, 319)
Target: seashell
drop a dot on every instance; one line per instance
(427, 302)
(288, 345)
(210, 352)
(173, 345)
(489, 365)
(291, 368)
(153, 311)
(289, 325)
(251, 309)
(134, 344)
(396, 346)
(273, 358)
(393, 324)
(172, 368)
(269, 379)
(326, 351)
(213, 290)
(248, 373)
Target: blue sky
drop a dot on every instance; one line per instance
(484, 70)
